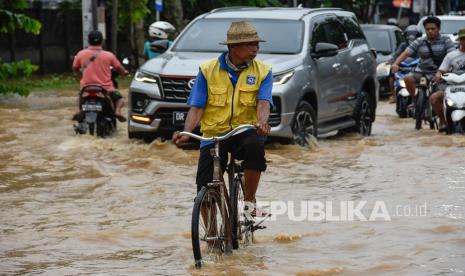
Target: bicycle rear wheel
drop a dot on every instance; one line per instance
(208, 227)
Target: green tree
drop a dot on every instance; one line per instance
(10, 21)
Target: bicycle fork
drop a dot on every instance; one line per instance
(217, 179)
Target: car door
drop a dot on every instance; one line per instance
(358, 61)
(327, 69)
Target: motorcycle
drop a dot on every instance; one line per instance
(97, 112)
(454, 103)
(97, 109)
(403, 99)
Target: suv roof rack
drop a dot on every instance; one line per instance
(231, 8)
(309, 11)
(320, 9)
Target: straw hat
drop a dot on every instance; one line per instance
(242, 31)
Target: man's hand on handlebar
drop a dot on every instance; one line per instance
(179, 139)
(437, 77)
(394, 68)
(263, 128)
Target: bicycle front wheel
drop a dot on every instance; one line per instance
(237, 204)
(420, 108)
(208, 227)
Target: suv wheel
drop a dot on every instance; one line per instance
(363, 114)
(304, 124)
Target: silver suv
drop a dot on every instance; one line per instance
(324, 73)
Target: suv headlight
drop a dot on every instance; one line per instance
(282, 78)
(143, 77)
(383, 69)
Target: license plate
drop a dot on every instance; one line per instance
(92, 107)
(179, 117)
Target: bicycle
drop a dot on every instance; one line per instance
(217, 220)
(423, 109)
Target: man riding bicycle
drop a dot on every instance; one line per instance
(231, 90)
(431, 49)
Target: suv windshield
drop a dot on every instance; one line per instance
(380, 40)
(281, 36)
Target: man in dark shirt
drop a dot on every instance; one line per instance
(431, 49)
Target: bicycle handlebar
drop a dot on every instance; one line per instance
(218, 138)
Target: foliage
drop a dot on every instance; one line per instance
(131, 11)
(15, 70)
(23, 68)
(10, 21)
(13, 89)
(14, 4)
(23, 86)
(67, 5)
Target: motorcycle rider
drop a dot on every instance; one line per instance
(431, 49)
(410, 33)
(454, 62)
(157, 31)
(95, 65)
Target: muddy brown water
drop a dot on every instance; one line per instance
(73, 205)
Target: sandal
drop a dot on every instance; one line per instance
(251, 209)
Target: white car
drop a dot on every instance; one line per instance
(450, 25)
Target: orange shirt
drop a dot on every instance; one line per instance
(97, 72)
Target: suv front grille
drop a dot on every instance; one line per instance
(176, 89)
(275, 113)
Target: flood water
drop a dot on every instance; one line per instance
(73, 205)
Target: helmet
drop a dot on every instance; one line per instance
(164, 26)
(392, 21)
(411, 33)
(160, 29)
(95, 38)
(157, 33)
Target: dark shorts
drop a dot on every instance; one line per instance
(247, 146)
(115, 96)
(440, 86)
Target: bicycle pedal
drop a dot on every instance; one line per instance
(258, 227)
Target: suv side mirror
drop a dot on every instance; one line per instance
(323, 49)
(159, 46)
